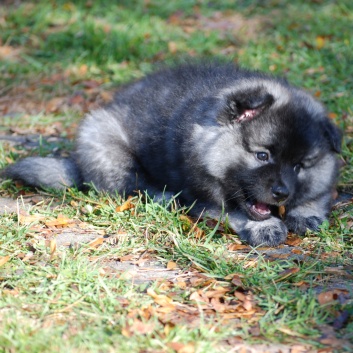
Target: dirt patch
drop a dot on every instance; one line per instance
(227, 24)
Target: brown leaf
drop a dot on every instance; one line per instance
(60, 221)
(281, 211)
(142, 328)
(52, 247)
(298, 348)
(293, 240)
(127, 205)
(54, 104)
(199, 297)
(96, 242)
(286, 273)
(4, 259)
(126, 258)
(182, 347)
(235, 247)
(172, 47)
(106, 96)
(160, 299)
(330, 296)
(236, 280)
(27, 219)
(172, 265)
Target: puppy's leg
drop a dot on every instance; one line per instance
(308, 216)
(270, 232)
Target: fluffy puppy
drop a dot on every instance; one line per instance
(224, 137)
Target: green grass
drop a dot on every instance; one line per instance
(69, 300)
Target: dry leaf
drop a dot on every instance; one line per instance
(330, 296)
(281, 211)
(160, 299)
(293, 240)
(172, 265)
(60, 221)
(54, 104)
(172, 47)
(299, 349)
(27, 219)
(127, 205)
(96, 242)
(236, 280)
(235, 247)
(4, 259)
(320, 42)
(52, 247)
(286, 273)
(181, 347)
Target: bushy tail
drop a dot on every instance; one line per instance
(58, 173)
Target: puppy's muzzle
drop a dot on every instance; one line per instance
(280, 193)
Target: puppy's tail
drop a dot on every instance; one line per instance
(57, 173)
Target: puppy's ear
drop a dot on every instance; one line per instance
(333, 134)
(244, 106)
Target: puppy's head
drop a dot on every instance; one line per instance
(288, 146)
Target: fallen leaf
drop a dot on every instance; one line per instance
(236, 280)
(54, 104)
(96, 242)
(172, 47)
(27, 219)
(4, 259)
(320, 42)
(172, 265)
(61, 221)
(286, 273)
(160, 299)
(235, 247)
(141, 328)
(127, 205)
(126, 258)
(298, 348)
(52, 247)
(330, 296)
(293, 240)
(182, 347)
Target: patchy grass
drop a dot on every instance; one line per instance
(60, 59)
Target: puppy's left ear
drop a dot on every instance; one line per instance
(245, 105)
(333, 134)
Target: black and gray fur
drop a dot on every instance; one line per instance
(223, 136)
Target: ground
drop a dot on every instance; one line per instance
(91, 272)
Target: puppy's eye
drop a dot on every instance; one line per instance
(262, 156)
(297, 168)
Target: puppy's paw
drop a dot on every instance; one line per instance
(300, 224)
(270, 232)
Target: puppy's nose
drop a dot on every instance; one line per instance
(280, 192)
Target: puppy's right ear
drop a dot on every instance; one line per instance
(245, 105)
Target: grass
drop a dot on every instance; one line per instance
(58, 59)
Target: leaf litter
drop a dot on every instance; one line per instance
(183, 297)
(180, 296)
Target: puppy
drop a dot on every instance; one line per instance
(229, 139)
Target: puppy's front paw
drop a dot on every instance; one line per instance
(270, 232)
(300, 224)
